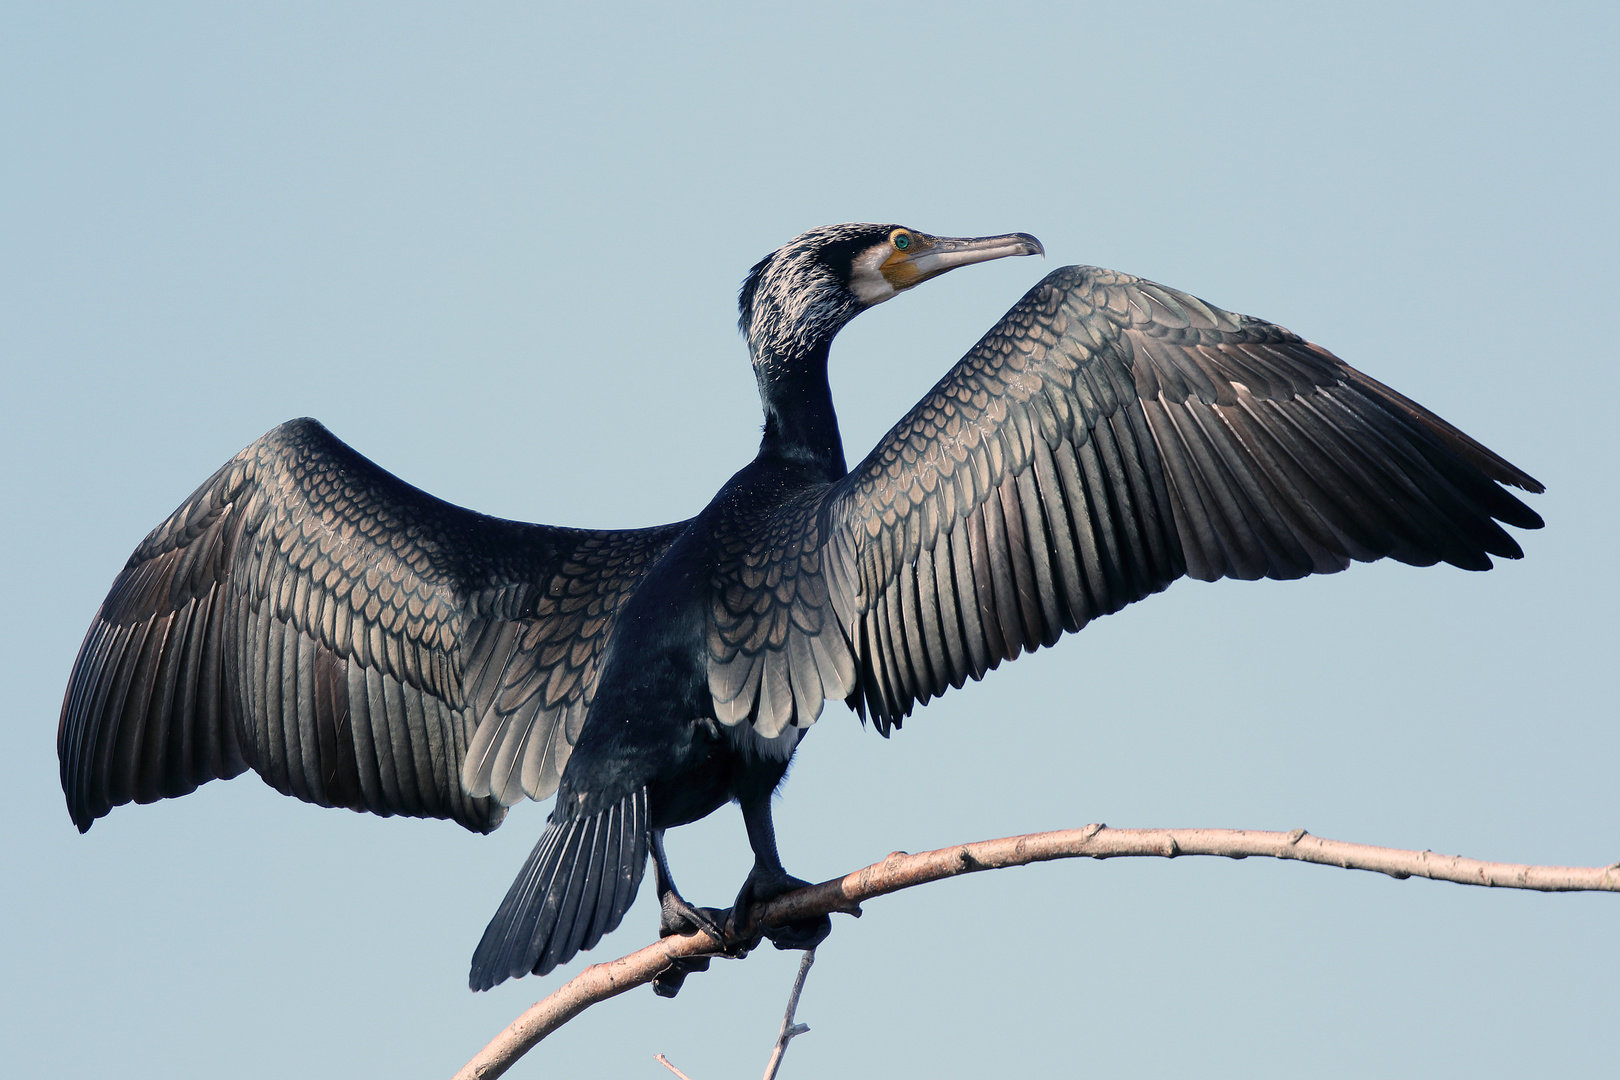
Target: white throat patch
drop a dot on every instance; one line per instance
(866, 278)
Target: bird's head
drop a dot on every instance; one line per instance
(796, 298)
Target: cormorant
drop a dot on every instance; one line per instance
(360, 643)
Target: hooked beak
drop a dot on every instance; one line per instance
(931, 256)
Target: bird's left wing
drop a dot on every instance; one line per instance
(1106, 437)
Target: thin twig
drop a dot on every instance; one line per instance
(900, 871)
(664, 1061)
(790, 1030)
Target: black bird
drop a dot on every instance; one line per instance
(360, 643)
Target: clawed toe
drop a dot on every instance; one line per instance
(800, 933)
(668, 982)
(679, 917)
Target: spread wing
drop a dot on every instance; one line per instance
(354, 640)
(1106, 437)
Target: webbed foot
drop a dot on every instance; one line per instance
(676, 917)
(764, 884)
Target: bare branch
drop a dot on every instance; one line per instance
(790, 1030)
(902, 871)
(665, 1062)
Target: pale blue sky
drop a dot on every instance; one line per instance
(496, 248)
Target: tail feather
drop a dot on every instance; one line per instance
(578, 882)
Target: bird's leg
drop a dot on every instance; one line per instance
(768, 880)
(676, 916)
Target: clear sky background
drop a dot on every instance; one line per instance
(496, 248)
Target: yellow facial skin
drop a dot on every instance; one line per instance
(900, 268)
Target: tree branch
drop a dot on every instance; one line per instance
(665, 1062)
(790, 1030)
(902, 871)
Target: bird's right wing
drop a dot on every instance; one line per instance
(1107, 436)
(356, 641)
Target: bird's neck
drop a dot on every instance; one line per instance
(800, 425)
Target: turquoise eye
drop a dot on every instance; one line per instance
(902, 241)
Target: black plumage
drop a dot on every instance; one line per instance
(360, 643)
